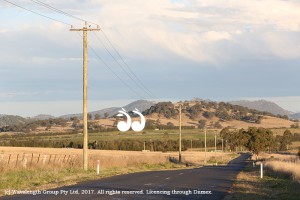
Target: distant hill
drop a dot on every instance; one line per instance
(139, 104)
(295, 116)
(43, 117)
(262, 105)
(213, 115)
(8, 120)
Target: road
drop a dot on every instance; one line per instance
(209, 182)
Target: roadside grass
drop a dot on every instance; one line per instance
(41, 178)
(221, 160)
(274, 185)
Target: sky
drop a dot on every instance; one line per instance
(179, 49)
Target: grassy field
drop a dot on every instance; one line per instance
(276, 184)
(145, 135)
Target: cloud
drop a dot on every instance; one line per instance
(193, 30)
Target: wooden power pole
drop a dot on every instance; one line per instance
(180, 133)
(179, 109)
(85, 29)
(205, 145)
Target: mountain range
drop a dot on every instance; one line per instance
(141, 105)
(263, 105)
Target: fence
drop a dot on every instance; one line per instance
(108, 160)
(33, 160)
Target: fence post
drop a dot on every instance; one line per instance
(98, 167)
(8, 159)
(49, 159)
(17, 160)
(31, 159)
(38, 158)
(261, 170)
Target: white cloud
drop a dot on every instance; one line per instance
(203, 31)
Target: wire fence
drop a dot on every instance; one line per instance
(34, 160)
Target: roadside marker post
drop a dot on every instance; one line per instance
(98, 167)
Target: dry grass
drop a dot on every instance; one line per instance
(288, 164)
(28, 157)
(108, 158)
(274, 185)
(277, 157)
(267, 122)
(290, 168)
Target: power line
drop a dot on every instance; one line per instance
(126, 64)
(130, 76)
(108, 67)
(60, 11)
(139, 83)
(112, 71)
(35, 12)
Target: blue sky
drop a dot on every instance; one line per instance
(212, 49)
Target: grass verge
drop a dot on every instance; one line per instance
(275, 186)
(39, 178)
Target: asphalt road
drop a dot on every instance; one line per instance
(210, 182)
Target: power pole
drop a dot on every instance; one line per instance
(216, 146)
(179, 109)
(85, 29)
(180, 133)
(222, 145)
(205, 144)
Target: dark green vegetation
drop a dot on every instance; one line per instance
(32, 125)
(114, 140)
(257, 139)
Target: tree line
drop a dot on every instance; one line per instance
(257, 139)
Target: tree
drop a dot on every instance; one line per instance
(285, 140)
(296, 125)
(75, 119)
(106, 115)
(97, 116)
(259, 139)
(202, 124)
(217, 125)
(208, 115)
(90, 116)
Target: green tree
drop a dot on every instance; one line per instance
(259, 139)
(285, 140)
